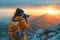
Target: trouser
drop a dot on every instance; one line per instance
(23, 38)
(13, 37)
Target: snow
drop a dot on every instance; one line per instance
(50, 33)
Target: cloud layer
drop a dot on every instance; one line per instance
(22, 3)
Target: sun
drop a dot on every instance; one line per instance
(49, 11)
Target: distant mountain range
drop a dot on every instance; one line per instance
(5, 19)
(45, 20)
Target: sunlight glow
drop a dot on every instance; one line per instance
(36, 11)
(50, 10)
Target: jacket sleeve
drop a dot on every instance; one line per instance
(25, 24)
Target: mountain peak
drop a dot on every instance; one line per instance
(47, 16)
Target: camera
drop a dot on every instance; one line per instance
(25, 16)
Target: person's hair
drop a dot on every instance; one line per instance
(17, 13)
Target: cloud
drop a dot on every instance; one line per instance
(22, 3)
(36, 11)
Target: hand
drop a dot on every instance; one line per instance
(22, 21)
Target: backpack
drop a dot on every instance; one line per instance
(13, 30)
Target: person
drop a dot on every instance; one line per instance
(18, 24)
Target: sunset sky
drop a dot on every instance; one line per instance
(31, 7)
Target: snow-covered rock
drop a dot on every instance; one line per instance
(50, 33)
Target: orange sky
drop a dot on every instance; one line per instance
(36, 11)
